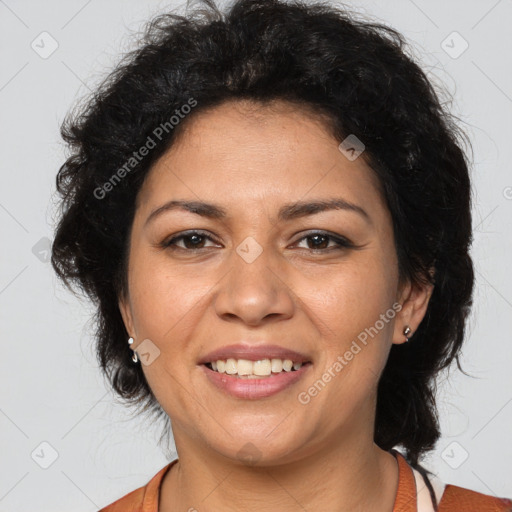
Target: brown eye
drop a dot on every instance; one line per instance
(193, 240)
(320, 242)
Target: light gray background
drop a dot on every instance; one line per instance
(51, 388)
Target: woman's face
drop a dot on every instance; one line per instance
(253, 277)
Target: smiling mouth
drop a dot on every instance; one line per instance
(261, 369)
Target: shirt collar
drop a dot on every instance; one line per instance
(405, 499)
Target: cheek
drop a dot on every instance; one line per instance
(354, 316)
(162, 300)
(350, 299)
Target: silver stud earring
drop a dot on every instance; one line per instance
(407, 330)
(134, 357)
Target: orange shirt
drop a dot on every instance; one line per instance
(454, 498)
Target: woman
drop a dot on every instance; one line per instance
(272, 212)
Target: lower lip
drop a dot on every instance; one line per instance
(254, 388)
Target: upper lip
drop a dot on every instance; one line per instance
(253, 353)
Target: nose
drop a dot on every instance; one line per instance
(254, 291)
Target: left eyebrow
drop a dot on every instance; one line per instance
(287, 212)
(303, 208)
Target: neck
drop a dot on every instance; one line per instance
(343, 476)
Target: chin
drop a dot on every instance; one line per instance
(258, 450)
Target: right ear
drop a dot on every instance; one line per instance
(126, 313)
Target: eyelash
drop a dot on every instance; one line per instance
(342, 243)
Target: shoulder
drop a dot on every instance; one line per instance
(143, 499)
(452, 498)
(457, 498)
(132, 502)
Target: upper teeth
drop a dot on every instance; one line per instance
(262, 367)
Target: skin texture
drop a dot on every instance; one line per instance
(251, 160)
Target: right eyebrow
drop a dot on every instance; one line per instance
(209, 210)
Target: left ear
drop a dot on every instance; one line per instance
(414, 299)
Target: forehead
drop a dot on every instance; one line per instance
(244, 153)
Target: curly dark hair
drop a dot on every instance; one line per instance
(354, 73)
